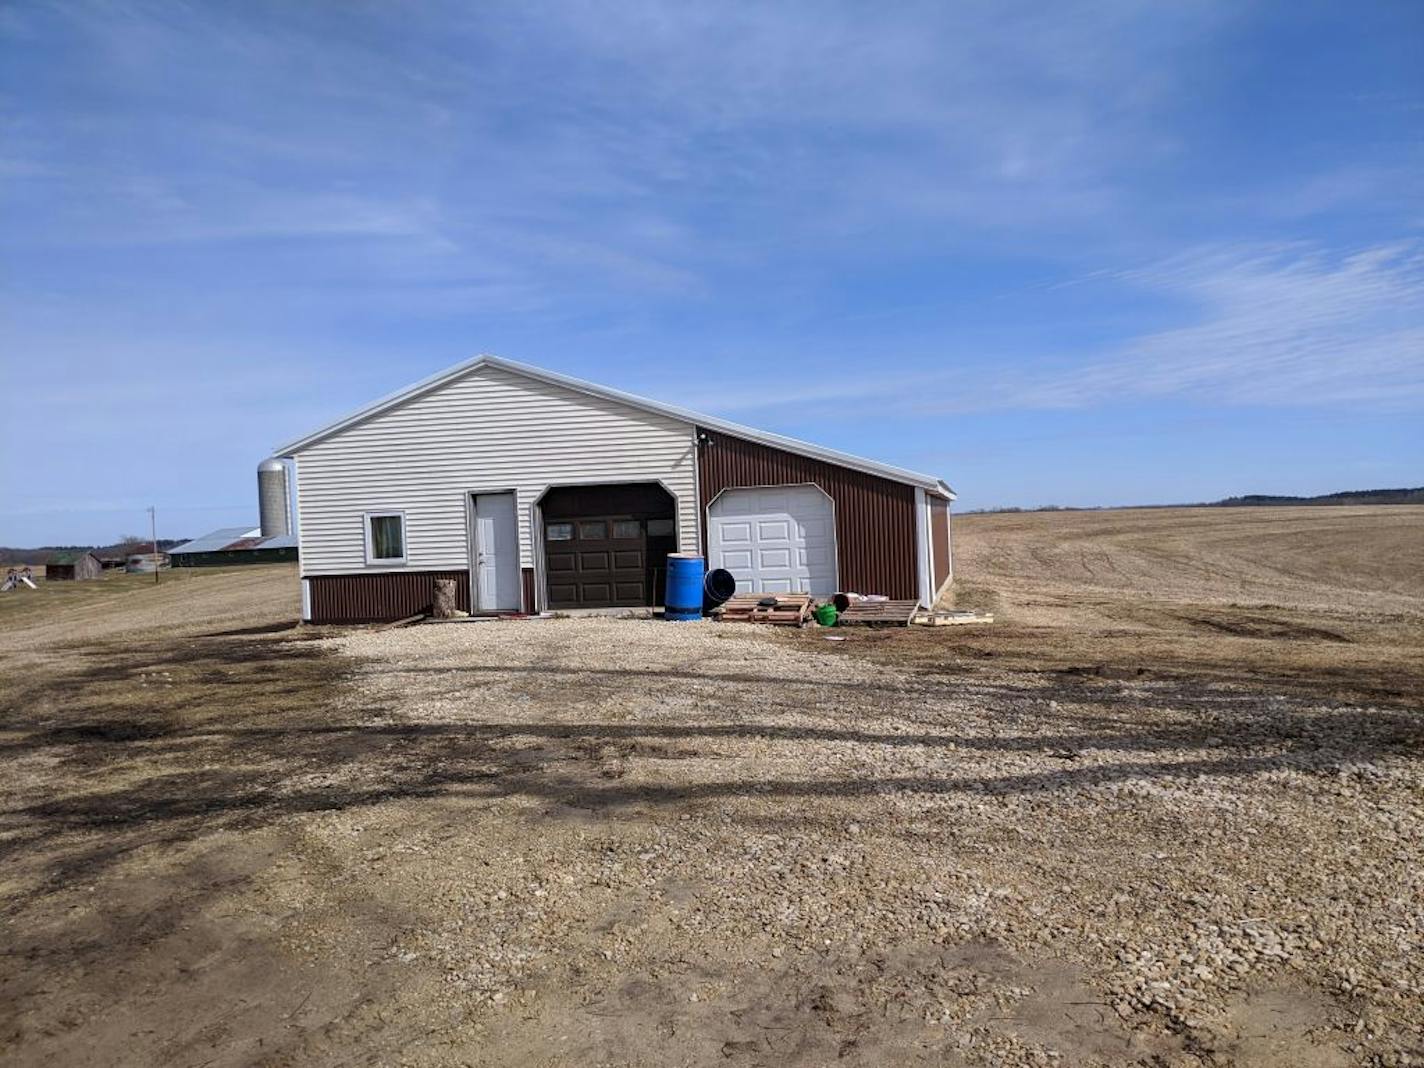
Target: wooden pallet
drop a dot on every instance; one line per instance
(790, 610)
(882, 613)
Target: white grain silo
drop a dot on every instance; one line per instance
(273, 503)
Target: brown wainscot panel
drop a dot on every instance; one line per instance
(382, 597)
(939, 539)
(875, 517)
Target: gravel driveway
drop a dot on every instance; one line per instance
(697, 843)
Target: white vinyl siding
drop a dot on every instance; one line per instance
(489, 430)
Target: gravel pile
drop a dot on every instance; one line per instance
(705, 808)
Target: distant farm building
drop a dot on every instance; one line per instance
(272, 542)
(235, 545)
(68, 567)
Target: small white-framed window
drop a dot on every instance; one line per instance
(385, 537)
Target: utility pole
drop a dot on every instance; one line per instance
(153, 531)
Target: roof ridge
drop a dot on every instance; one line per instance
(696, 419)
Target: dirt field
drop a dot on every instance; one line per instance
(1310, 599)
(1166, 811)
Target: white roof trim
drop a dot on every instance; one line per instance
(776, 441)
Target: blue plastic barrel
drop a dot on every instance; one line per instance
(684, 586)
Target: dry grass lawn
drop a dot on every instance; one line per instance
(1166, 811)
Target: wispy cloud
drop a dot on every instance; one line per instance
(584, 127)
(1277, 325)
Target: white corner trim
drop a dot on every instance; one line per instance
(924, 561)
(949, 539)
(699, 544)
(294, 502)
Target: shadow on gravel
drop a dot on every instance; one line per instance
(231, 734)
(265, 628)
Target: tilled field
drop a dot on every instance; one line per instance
(1320, 601)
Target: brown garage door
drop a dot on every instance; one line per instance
(597, 562)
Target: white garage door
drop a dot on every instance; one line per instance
(776, 540)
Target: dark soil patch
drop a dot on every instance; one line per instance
(1260, 626)
(1373, 662)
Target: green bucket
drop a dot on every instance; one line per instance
(826, 615)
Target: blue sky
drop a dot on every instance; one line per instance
(1056, 253)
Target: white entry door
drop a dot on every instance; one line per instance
(496, 553)
(779, 539)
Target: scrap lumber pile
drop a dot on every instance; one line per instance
(882, 613)
(952, 619)
(785, 609)
(797, 609)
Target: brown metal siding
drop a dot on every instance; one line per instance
(875, 517)
(380, 598)
(939, 539)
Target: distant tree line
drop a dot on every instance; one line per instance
(1377, 496)
(1252, 500)
(125, 546)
